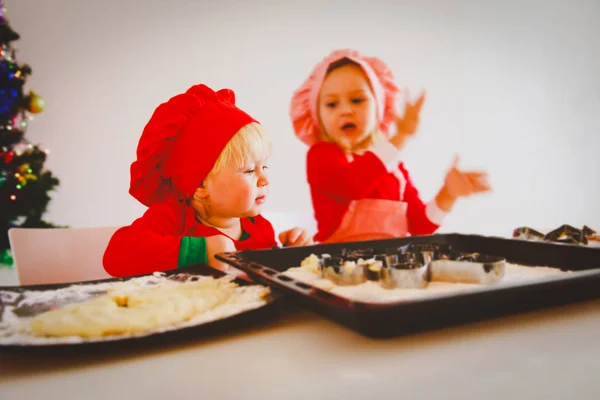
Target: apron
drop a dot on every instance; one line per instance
(372, 219)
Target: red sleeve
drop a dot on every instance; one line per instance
(148, 245)
(329, 171)
(418, 222)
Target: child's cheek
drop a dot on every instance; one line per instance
(236, 182)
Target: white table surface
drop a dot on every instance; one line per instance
(551, 354)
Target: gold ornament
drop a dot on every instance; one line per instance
(36, 103)
(25, 174)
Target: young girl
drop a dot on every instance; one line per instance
(201, 169)
(360, 189)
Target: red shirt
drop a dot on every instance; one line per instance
(335, 180)
(151, 242)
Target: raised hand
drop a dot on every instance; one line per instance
(465, 183)
(460, 184)
(407, 125)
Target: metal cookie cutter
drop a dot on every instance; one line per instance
(405, 275)
(341, 272)
(358, 254)
(527, 234)
(417, 253)
(392, 256)
(469, 268)
(587, 231)
(372, 268)
(567, 234)
(425, 253)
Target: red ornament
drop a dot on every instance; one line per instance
(9, 157)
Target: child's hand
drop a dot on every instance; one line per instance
(295, 237)
(461, 184)
(407, 125)
(222, 244)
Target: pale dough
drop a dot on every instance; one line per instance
(373, 292)
(134, 311)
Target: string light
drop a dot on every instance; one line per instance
(13, 197)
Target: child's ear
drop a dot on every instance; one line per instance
(201, 192)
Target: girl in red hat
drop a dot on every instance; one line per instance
(360, 188)
(201, 169)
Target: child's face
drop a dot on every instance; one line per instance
(238, 192)
(347, 106)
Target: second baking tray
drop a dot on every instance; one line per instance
(15, 297)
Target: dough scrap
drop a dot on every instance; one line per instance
(134, 311)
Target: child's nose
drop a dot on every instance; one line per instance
(262, 180)
(346, 108)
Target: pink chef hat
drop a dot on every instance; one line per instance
(303, 109)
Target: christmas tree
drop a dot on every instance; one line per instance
(24, 183)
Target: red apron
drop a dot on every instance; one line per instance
(372, 219)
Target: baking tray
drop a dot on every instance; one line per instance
(410, 316)
(234, 323)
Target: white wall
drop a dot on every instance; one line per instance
(513, 86)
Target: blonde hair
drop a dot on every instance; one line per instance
(250, 142)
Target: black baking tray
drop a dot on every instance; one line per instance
(235, 323)
(410, 316)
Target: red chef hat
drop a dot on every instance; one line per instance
(182, 141)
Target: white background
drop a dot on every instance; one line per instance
(513, 87)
